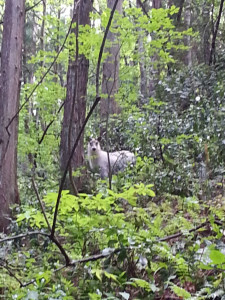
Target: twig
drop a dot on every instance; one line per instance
(12, 274)
(33, 6)
(50, 123)
(95, 257)
(22, 235)
(62, 250)
(5, 266)
(53, 239)
(41, 204)
(143, 8)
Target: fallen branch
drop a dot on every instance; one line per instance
(23, 235)
(178, 234)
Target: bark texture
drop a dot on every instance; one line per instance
(205, 33)
(11, 56)
(187, 41)
(213, 46)
(110, 78)
(156, 4)
(75, 105)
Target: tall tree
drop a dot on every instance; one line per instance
(142, 59)
(156, 4)
(187, 41)
(75, 104)
(11, 56)
(213, 46)
(110, 77)
(148, 73)
(205, 32)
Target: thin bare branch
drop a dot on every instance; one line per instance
(41, 204)
(53, 239)
(23, 235)
(4, 266)
(49, 124)
(96, 257)
(143, 8)
(33, 6)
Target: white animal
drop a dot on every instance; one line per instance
(98, 159)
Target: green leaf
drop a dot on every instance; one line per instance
(180, 292)
(142, 284)
(217, 257)
(110, 276)
(94, 296)
(98, 273)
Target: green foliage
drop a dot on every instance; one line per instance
(180, 292)
(102, 222)
(177, 134)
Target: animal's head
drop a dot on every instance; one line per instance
(94, 144)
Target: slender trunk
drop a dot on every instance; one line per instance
(213, 46)
(156, 4)
(187, 41)
(205, 32)
(42, 34)
(142, 61)
(110, 77)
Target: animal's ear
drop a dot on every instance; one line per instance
(99, 139)
(89, 139)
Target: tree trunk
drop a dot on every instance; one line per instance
(110, 77)
(205, 33)
(11, 56)
(156, 4)
(187, 41)
(147, 72)
(75, 104)
(213, 46)
(42, 33)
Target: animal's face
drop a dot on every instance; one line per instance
(94, 145)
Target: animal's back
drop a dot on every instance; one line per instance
(120, 159)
